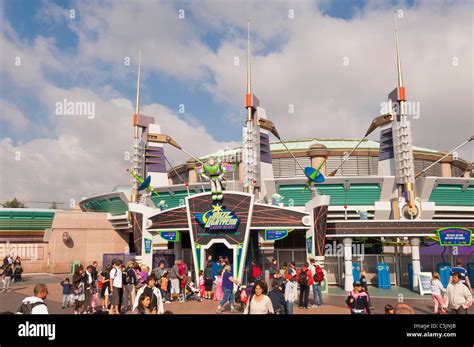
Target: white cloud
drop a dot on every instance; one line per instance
(304, 67)
(80, 156)
(13, 116)
(334, 100)
(88, 157)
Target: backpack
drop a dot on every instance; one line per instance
(303, 278)
(130, 279)
(27, 307)
(319, 275)
(357, 306)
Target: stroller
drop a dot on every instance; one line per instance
(17, 274)
(190, 292)
(242, 297)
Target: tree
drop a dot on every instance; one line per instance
(13, 204)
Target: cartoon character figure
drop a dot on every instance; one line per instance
(277, 199)
(162, 205)
(214, 173)
(363, 214)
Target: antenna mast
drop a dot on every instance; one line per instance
(136, 140)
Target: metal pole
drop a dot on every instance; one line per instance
(444, 156)
(347, 157)
(192, 156)
(297, 162)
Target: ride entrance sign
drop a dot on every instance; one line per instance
(454, 236)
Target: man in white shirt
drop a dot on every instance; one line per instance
(458, 296)
(35, 304)
(116, 287)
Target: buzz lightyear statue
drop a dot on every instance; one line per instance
(213, 172)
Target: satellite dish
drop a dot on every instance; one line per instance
(145, 183)
(313, 175)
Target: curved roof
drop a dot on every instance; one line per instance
(305, 144)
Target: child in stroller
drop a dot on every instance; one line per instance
(190, 292)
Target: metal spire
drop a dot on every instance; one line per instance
(137, 105)
(249, 72)
(136, 159)
(249, 69)
(399, 63)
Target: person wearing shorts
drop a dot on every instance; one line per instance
(116, 287)
(175, 278)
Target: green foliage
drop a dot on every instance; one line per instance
(14, 204)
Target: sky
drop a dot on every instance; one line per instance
(320, 69)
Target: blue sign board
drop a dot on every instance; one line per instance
(171, 236)
(455, 236)
(309, 245)
(218, 219)
(275, 234)
(148, 245)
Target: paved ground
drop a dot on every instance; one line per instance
(334, 301)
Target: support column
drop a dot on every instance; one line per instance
(415, 260)
(348, 277)
(177, 249)
(318, 153)
(316, 161)
(446, 170)
(192, 176)
(241, 172)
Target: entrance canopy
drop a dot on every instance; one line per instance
(228, 223)
(392, 228)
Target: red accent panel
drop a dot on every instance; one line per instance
(248, 100)
(401, 94)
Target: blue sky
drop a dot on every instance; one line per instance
(29, 21)
(297, 62)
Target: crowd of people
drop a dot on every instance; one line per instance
(457, 295)
(11, 271)
(133, 288)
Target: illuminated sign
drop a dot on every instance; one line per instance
(454, 236)
(275, 234)
(309, 245)
(148, 245)
(171, 236)
(218, 219)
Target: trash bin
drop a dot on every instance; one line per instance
(470, 272)
(383, 275)
(444, 270)
(356, 271)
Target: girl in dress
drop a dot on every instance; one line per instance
(218, 293)
(202, 287)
